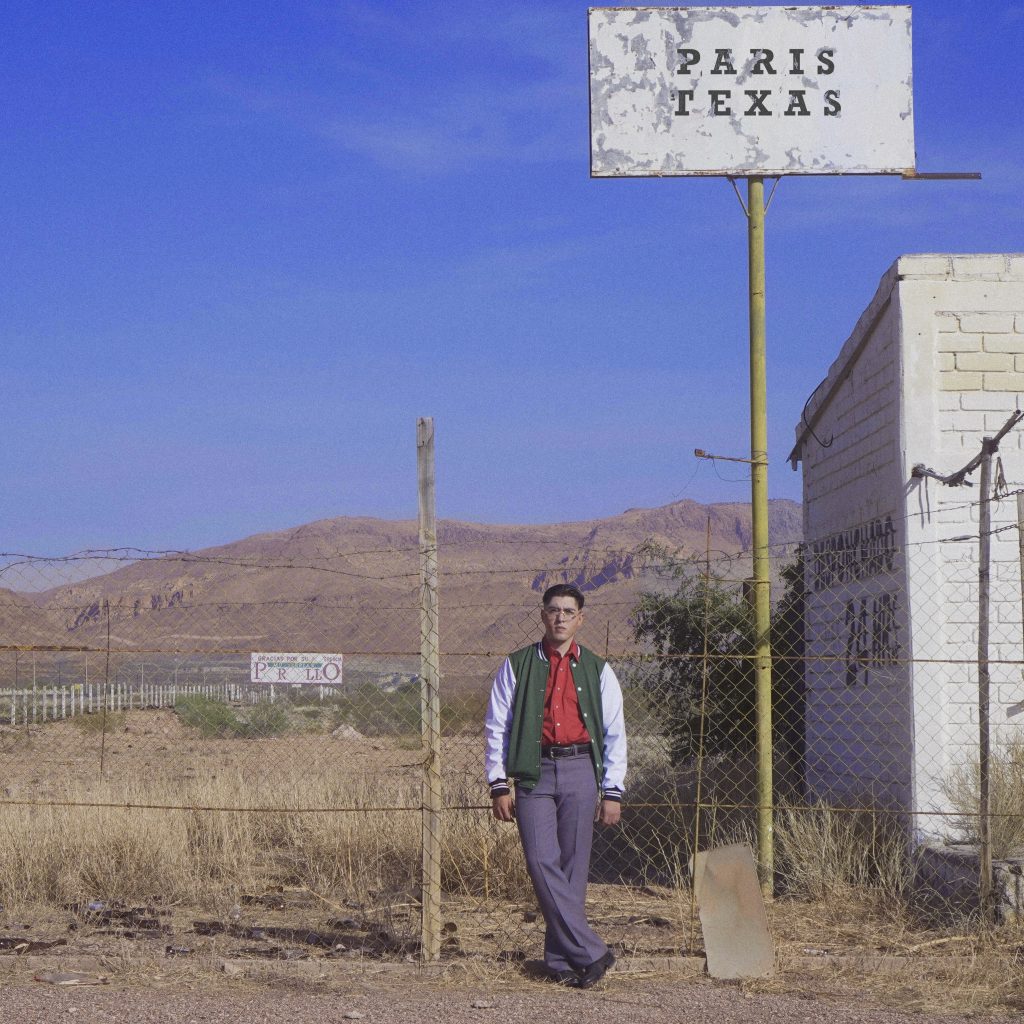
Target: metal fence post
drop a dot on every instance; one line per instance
(430, 701)
(759, 532)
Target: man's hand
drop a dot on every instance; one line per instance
(608, 812)
(503, 807)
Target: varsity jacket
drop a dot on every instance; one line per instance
(515, 717)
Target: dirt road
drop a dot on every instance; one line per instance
(637, 1002)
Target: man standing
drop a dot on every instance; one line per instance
(554, 726)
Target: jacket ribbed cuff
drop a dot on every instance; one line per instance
(613, 793)
(499, 787)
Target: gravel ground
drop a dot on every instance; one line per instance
(617, 1002)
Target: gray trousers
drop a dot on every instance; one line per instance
(556, 826)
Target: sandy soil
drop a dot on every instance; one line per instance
(391, 997)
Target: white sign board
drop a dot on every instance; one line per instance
(750, 91)
(295, 668)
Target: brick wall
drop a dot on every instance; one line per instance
(852, 498)
(977, 329)
(935, 363)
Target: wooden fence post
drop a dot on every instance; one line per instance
(430, 701)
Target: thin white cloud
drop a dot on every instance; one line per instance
(533, 29)
(456, 132)
(533, 109)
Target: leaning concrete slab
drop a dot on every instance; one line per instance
(732, 915)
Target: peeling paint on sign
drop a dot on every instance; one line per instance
(750, 90)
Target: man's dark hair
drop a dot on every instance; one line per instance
(563, 590)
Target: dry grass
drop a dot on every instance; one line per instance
(849, 923)
(60, 855)
(845, 875)
(67, 854)
(855, 950)
(1006, 782)
(834, 857)
(64, 854)
(111, 722)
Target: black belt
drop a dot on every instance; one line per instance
(568, 750)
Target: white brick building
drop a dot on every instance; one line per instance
(935, 363)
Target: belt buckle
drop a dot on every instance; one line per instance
(566, 749)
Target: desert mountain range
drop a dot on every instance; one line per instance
(351, 585)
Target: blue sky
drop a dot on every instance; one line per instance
(245, 245)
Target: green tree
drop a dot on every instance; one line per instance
(702, 635)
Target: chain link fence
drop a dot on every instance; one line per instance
(141, 765)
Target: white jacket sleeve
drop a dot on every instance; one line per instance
(614, 731)
(498, 723)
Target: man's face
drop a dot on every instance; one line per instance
(562, 619)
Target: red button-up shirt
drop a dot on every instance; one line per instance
(563, 722)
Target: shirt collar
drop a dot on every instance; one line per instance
(547, 650)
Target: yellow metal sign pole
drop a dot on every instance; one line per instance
(759, 517)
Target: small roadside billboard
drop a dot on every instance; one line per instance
(291, 668)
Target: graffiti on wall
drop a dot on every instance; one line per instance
(872, 639)
(870, 622)
(854, 554)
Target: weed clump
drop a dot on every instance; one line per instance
(962, 788)
(843, 855)
(113, 721)
(264, 720)
(215, 720)
(210, 717)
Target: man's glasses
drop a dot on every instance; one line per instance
(565, 613)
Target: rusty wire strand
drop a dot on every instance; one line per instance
(673, 805)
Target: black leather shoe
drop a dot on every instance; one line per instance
(567, 977)
(593, 973)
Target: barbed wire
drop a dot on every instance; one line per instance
(305, 740)
(776, 656)
(206, 808)
(673, 805)
(133, 555)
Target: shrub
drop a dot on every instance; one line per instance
(703, 637)
(210, 717)
(1006, 797)
(377, 712)
(263, 720)
(113, 721)
(214, 719)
